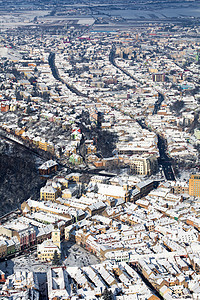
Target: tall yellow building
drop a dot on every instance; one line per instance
(55, 236)
(194, 185)
(48, 193)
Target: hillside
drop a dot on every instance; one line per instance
(19, 178)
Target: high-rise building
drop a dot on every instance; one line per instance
(143, 164)
(158, 77)
(194, 185)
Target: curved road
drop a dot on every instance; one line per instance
(56, 75)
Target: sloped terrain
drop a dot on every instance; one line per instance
(19, 177)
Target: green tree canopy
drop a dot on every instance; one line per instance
(56, 259)
(107, 294)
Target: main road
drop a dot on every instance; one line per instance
(164, 160)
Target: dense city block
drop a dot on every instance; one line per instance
(99, 150)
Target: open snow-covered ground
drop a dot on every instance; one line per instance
(77, 256)
(72, 255)
(23, 263)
